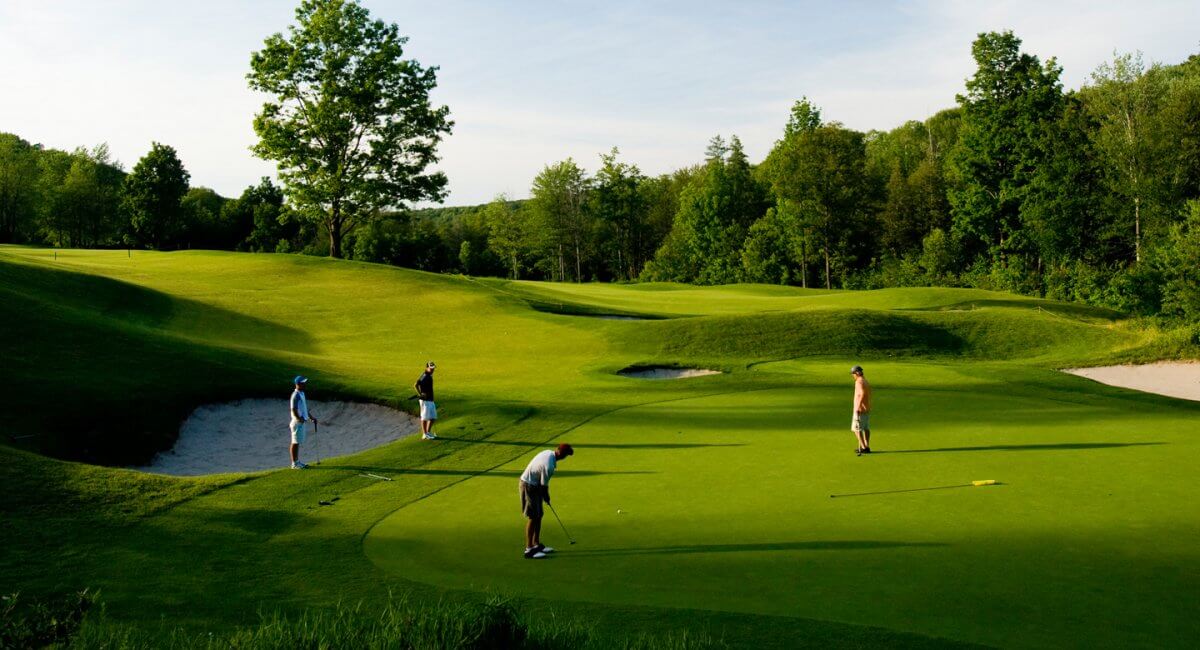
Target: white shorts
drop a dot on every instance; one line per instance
(860, 422)
(428, 410)
(297, 432)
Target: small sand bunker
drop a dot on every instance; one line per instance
(1171, 378)
(665, 372)
(252, 435)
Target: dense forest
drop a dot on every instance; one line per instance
(1090, 195)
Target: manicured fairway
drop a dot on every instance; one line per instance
(724, 481)
(726, 504)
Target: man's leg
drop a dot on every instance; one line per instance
(536, 537)
(295, 452)
(530, 535)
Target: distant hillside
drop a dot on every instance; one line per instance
(450, 214)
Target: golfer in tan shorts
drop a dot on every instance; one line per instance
(860, 424)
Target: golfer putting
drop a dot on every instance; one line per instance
(300, 416)
(424, 388)
(860, 422)
(535, 490)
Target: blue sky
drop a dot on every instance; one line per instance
(534, 82)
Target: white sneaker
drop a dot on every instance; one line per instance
(546, 549)
(299, 465)
(429, 436)
(534, 554)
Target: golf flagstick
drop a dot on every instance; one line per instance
(560, 523)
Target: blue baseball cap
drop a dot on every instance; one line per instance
(300, 379)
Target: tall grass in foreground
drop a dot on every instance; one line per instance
(401, 625)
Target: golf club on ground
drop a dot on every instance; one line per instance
(560, 523)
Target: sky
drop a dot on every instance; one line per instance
(529, 83)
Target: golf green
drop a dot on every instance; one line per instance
(697, 504)
(724, 501)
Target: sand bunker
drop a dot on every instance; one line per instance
(665, 372)
(252, 435)
(1171, 378)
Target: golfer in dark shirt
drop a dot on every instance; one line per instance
(424, 388)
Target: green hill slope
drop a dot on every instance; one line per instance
(730, 474)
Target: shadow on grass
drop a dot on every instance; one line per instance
(828, 545)
(419, 471)
(1058, 446)
(901, 491)
(254, 520)
(96, 296)
(602, 445)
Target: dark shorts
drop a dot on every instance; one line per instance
(532, 497)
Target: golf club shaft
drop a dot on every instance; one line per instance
(560, 523)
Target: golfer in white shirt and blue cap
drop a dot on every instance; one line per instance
(300, 415)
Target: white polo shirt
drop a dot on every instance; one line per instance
(299, 405)
(540, 469)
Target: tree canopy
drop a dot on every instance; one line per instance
(350, 123)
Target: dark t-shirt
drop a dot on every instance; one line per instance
(425, 386)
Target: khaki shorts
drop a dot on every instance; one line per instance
(298, 434)
(860, 422)
(532, 497)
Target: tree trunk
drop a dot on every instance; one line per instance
(335, 243)
(1137, 229)
(828, 281)
(334, 226)
(804, 264)
(578, 265)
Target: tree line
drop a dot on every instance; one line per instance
(85, 199)
(1090, 195)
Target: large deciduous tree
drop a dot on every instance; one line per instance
(349, 123)
(151, 198)
(1009, 103)
(822, 172)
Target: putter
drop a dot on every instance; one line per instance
(560, 523)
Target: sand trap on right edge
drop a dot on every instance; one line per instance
(1179, 379)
